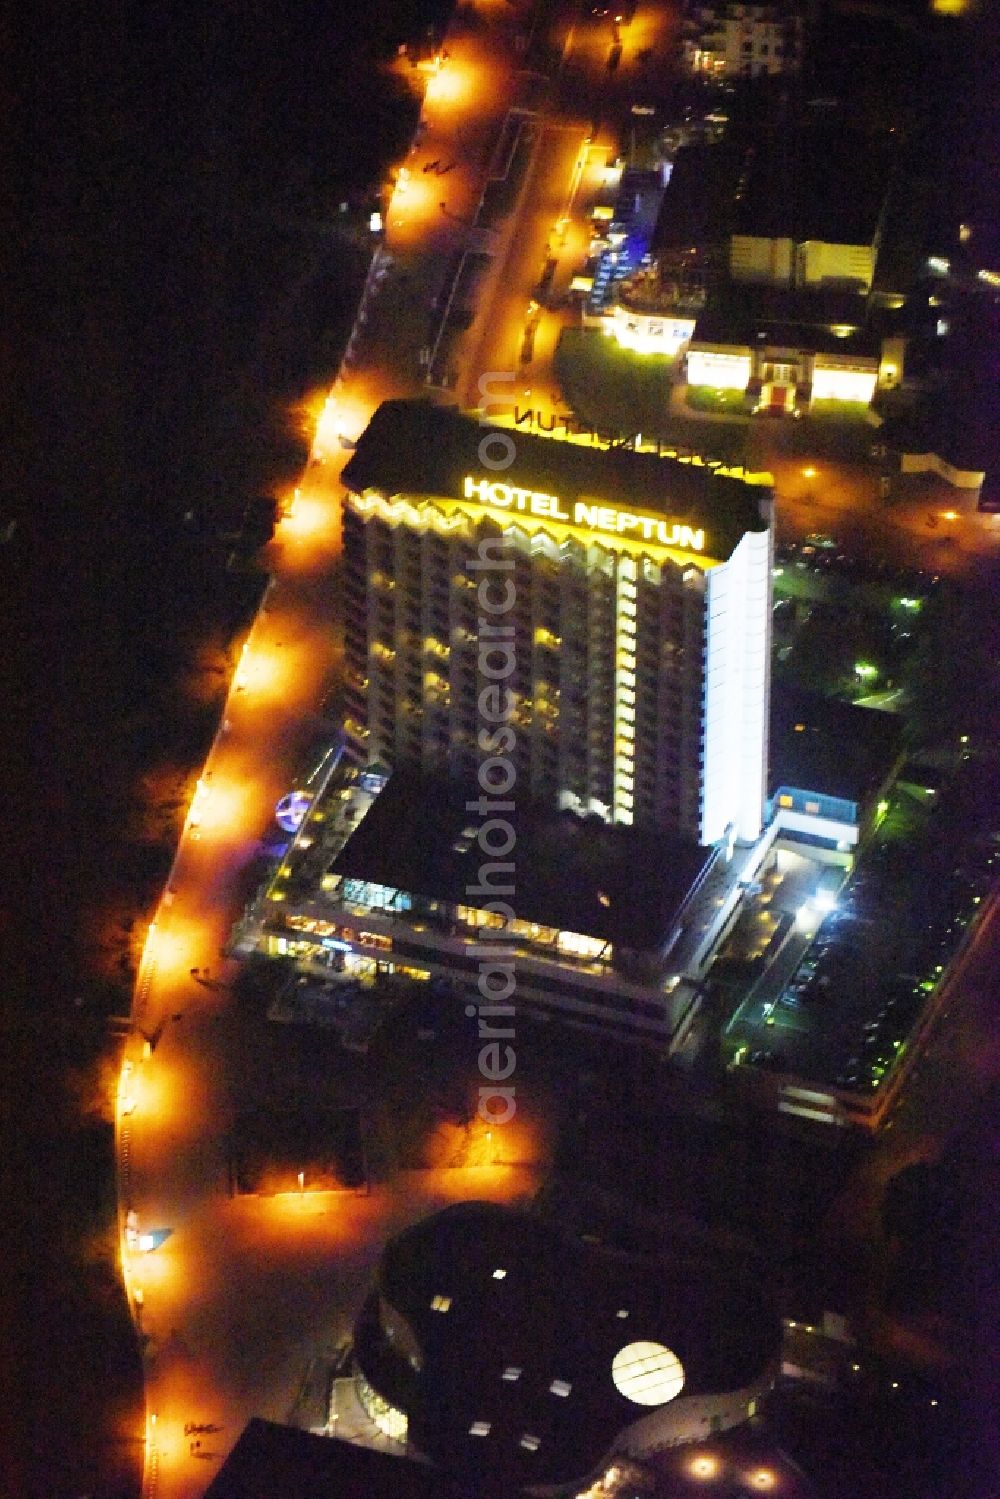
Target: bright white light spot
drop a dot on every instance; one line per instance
(647, 1373)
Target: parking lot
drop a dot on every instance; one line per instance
(841, 999)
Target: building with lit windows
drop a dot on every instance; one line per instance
(612, 925)
(636, 635)
(761, 271)
(833, 767)
(728, 40)
(791, 365)
(519, 1359)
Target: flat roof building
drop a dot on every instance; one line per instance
(412, 877)
(518, 1358)
(811, 210)
(597, 614)
(586, 920)
(832, 766)
(270, 1461)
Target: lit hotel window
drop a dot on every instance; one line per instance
(440, 1303)
(499, 1274)
(512, 1373)
(785, 801)
(560, 1387)
(479, 1429)
(531, 1443)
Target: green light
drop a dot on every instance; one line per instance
(865, 670)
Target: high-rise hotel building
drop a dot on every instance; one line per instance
(638, 608)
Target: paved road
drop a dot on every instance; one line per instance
(243, 1293)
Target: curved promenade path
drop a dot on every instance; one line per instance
(241, 1293)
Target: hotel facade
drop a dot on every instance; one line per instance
(627, 593)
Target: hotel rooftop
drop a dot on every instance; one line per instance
(418, 448)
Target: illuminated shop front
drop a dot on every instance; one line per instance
(649, 332)
(844, 380)
(391, 1421)
(786, 377)
(719, 368)
(597, 934)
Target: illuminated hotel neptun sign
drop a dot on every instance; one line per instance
(595, 517)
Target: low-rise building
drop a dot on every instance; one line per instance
(655, 307)
(783, 370)
(833, 766)
(761, 271)
(520, 1359)
(623, 235)
(607, 927)
(270, 1461)
(811, 210)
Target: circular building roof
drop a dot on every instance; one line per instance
(519, 1354)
